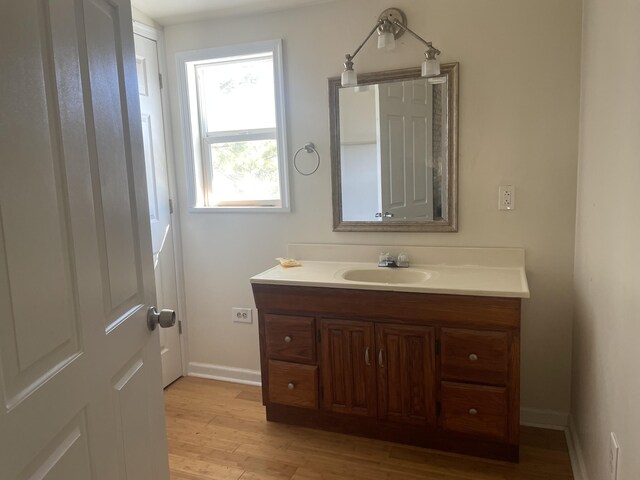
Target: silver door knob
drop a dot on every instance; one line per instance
(287, 339)
(291, 386)
(473, 411)
(473, 357)
(165, 318)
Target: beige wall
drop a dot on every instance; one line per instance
(519, 94)
(606, 379)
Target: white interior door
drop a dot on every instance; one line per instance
(159, 200)
(80, 379)
(406, 154)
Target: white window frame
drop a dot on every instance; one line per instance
(195, 140)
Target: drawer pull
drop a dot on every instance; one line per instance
(287, 339)
(367, 360)
(473, 411)
(380, 359)
(473, 357)
(291, 386)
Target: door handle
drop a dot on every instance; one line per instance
(165, 318)
(380, 360)
(367, 360)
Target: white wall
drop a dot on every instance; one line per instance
(519, 94)
(359, 160)
(606, 380)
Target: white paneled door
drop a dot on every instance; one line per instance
(406, 149)
(159, 200)
(80, 380)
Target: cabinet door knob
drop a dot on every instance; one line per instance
(473, 411)
(367, 360)
(291, 386)
(380, 360)
(288, 339)
(473, 357)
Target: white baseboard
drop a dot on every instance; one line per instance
(225, 374)
(551, 419)
(575, 452)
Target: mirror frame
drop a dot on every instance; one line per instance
(448, 70)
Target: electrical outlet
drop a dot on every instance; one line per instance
(506, 197)
(614, 452)
(241, 315)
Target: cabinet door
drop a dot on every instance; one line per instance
(405, 356)
(348, 367)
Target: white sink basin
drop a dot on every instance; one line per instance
(386, 275)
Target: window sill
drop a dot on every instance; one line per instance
(239, 210)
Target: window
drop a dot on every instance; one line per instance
(234, 129)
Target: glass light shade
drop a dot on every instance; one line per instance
(349, 78)
(386, 41)
(430, 68)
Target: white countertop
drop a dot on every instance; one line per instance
(482, 280)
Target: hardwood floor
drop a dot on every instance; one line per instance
(217, 430)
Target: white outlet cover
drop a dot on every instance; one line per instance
(506, 197)
(242, 315)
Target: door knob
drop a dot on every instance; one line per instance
(165, 318)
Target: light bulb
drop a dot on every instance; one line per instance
(430, 67)
(349, 78)
(386, 40)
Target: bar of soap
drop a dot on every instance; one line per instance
(288, 262)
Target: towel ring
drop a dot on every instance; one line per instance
(309, 148)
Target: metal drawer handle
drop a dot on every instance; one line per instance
(291, 386)
(473, 411)
(473, 357)
(288, 339)
(367, 360)
(380, 360)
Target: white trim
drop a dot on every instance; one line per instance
(147, 31)
(225, 374)
(575, 452)
(550, 419)
(157, 35)
(182, 59)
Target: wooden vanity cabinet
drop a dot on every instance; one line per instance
(348, 367)
(440, 371)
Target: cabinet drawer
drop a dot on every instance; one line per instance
(293, 384)
(474, 356)
(290, 337)
(475, 409)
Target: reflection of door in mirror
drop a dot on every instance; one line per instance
(391, 150)
(404, 121)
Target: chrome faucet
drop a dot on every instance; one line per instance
(388, 260)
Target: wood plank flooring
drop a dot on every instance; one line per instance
(218, 430)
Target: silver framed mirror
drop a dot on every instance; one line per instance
(394, 152)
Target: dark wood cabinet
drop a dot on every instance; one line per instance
(406, 373)
(348, 367)
(439, 371)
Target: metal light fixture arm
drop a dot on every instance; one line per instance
(349, 63)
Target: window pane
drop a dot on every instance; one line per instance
(244, 172)
(238, 94)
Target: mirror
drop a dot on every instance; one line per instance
(394, 152)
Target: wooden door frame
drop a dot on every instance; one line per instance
(157, 35)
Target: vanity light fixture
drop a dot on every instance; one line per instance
(392, 23)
